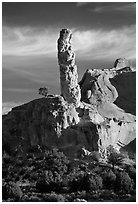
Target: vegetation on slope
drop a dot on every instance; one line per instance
(43, 175)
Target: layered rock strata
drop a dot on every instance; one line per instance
(70, 89)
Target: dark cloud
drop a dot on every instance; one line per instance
(61, 14)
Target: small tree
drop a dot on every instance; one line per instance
(11, 190)
(43, 91)
(115, 159)
(109, 178)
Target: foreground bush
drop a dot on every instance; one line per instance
(49, 182)
(11, 190)
(132, 173)
(53, 197)
(115, 158)
(109, 178)
(95, 182)
(84, 181)
(47, 160)
(56, 161)
(123, 182)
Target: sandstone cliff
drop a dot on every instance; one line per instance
(94, 114)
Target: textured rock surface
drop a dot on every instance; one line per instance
(38, 122)
(96, 87)
(70, 89)
(53, 122)
(63, 121)
(121, 63)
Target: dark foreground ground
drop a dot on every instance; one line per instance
(42, 175)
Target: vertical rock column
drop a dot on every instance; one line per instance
(70, 89)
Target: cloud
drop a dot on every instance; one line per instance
(28, 41)
(7, 106)
(130, 7)
(21, 90)
(89, 44)
(103, 44)
(79, 4)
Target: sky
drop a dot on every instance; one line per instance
(102, 32)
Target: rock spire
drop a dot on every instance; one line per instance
(70, 89)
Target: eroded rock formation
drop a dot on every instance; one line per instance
(70, 89)
(92, 119)
(121, 63)
(96, 87)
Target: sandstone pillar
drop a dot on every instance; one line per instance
(70, 89)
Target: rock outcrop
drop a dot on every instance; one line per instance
(90, 119)
(70, 89)
(96, 87)
(38, 122)
(121, 63)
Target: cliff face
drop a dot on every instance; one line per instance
(38, 122)
(125, 84)
(90, 118)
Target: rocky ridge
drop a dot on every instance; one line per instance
(87, 114)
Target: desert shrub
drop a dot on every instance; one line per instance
(22, 171)
(76, 180)
(6, 158)
(97, 169)
(95, 181)
(81, 180)
(115, 158)
(34, 198)
(35, 149)
(49, 182)
(43, 91)
(132, 173)
(26, 175)
(11, 190)
(109, 178)
(34, 176)
(83, 167)
(49, 160)
(56, 161)
(108, 194)
(53, 197)
(132, 156)
(123, 182)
